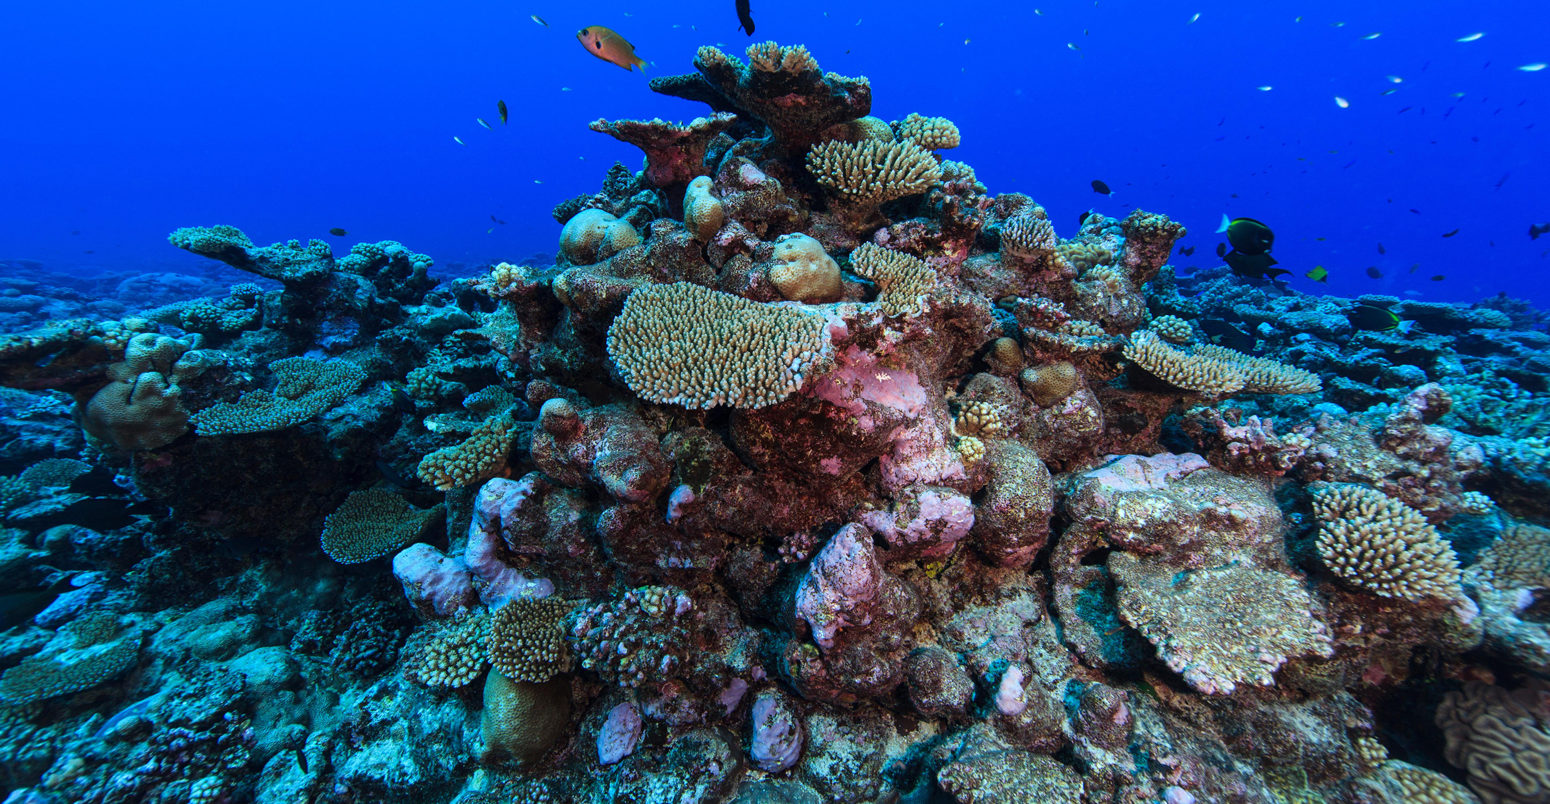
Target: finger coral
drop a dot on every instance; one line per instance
(372, 523)
(304, 388)
(903, 281)
(682, 344)
(931, 133)
(478, 458)
(1383, 546)
(526, 640)
(1172, 329)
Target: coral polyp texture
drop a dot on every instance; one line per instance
(686, 345)
(806, 468)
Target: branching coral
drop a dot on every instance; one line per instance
(88, 652)
(931, 133)
(372, 523)
(526, 640)
(903, 282)
(675, 153)
(451, 654)
(683, 344)
(1182, 369)
(1028, 236)
(1262, 376)
(641, 638)
(1383, 546)
(865, 175)
(304, 388)
(1172, 328)
(478, 458)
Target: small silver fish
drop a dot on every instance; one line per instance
(480, 121)
(538, 19)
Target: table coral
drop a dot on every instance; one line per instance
(90, 651)
(372, 523)
(303, 388)
(675, 153)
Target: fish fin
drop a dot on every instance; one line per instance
(1226, 221)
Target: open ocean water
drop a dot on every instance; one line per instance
(898, 402)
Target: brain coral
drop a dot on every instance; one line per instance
(1502, 738)
(903, 281)
(526, 639)
(372, 523)
(1382, 545)
(683, 344)
(869, 173)
(304, 388)
(802, 271)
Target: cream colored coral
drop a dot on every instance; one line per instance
(449, 655)
(1028, 235)
(1519, 558)
(703, 213)
(970, 449)
(802, 271)
(869, 173)
(1172, 328)
(768, 57)
(1383, 546)
(1262, 376)
(1369, 751)
(478, 458)
(903, 281)
(931, 133)
(526, 640)
(1422, 786)
(1182, 369)
(1502, 738)
(979, 418)
(683, 344)
(1476, 503)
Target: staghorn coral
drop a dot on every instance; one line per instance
(449, 654)
(865, 175)
(1502, 738)
(372, 523)
(682, 344)
(526, 639)
(903, 282)
(303, 388)
(931, 133)
(1383, 546)
(478, 458)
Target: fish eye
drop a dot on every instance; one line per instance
(598, 44)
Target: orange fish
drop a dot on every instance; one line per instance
(609, 47)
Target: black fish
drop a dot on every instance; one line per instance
(500, 106)
(1452, 233)
(744, 19)
(1535, 230)
(1187, 251)
(1228, 335)
(1412, 268)
(497, 220)
(1247, 235)
(1221, 250)
(1373, 272)
(1254, 266)
(1372, 317)
(1082, 219)
(1438, 277)
(1101, 188)
(337, 232)
(1381, 250)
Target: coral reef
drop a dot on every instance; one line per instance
(808, 470)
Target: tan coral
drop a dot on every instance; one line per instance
(769, 57)
(1028, 236)
(1476, 503)
(979, 418)
(1051, 383)
(483, 455)
(1422, 786)
(931, 133)
(372, 523)
(449, 655)
(1518, 559)
(1182, 369)
(304, 388)
(1502, 738)
(903, 282)
(526, 639)
(1261, 375)
(1173, 329)
(802, 271)
(869, 173)
(683, 344)
(1223, 626)
(1383, 546)
(703, 213)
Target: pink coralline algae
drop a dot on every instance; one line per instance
(842, 586)
(926, 521)
(437, 585)
(619, 735)
(777, 732)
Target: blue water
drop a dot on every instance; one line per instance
(126, 120)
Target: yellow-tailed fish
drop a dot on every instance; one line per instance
(480, 121)
(500, 106)
(1472, 37)
(538, 19)
(610, 47)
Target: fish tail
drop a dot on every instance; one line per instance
(1226, 221)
